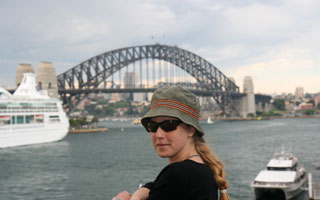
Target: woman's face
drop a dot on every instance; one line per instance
(175, 145)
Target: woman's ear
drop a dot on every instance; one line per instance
(191, 131)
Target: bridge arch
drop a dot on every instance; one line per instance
(75, 84)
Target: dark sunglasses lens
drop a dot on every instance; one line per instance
(169, 125)
(152, 126)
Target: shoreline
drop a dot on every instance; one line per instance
(265, 118)
(88, 130)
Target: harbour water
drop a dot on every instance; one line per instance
(99, 165)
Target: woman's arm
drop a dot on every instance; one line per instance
(123, 196)
(140, 194)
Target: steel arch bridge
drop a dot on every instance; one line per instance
(76, 83)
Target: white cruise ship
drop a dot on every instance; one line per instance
(30, 117)
(282, 179)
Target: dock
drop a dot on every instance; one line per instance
(88, 130)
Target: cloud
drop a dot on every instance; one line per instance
(239, 37)
(280, 71)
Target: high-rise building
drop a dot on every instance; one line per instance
(299, 93)
(316, 99)
(130, 79)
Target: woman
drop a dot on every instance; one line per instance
(193, 172)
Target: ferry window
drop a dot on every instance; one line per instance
(13, 119)
(20, 119)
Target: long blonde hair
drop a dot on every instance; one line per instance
(216, 165)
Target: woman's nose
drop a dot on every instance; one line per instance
(160, 133)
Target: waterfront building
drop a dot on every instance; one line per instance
(299, 93)
(306, 106)
(316, 99)
(115, 97)
(140, 97)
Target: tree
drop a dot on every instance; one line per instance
(74, 123)
(95, 120)
(108, 111)
(309, 112)
(130, 111)
(279, 104)
(311, 101)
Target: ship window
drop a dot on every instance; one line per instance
(4, 119)
(3, 107)
(20, 119)
(54, 119)
(39, 118)
(13, 119)
(31, 117)
(278, 168)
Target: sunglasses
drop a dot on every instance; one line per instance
(167, 125)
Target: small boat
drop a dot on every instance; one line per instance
(209, 121)
(136, 121)
(282, 179)
(30, 116)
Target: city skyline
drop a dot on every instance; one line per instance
(274, 42)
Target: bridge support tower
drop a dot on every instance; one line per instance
(247, 103)
(47, 78)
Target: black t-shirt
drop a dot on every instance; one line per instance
(187, 180)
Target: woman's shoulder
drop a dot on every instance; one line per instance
(185, 166)
(174, 173)
(189, 164)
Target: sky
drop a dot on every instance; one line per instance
(276, 42)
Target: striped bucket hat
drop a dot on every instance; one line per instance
(175, 101)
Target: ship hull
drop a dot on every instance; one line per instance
(31, 134)
(279, 192)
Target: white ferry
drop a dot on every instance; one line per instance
(282, 179)
(209, 121)
(29, 116)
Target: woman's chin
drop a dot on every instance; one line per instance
(162, 155)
